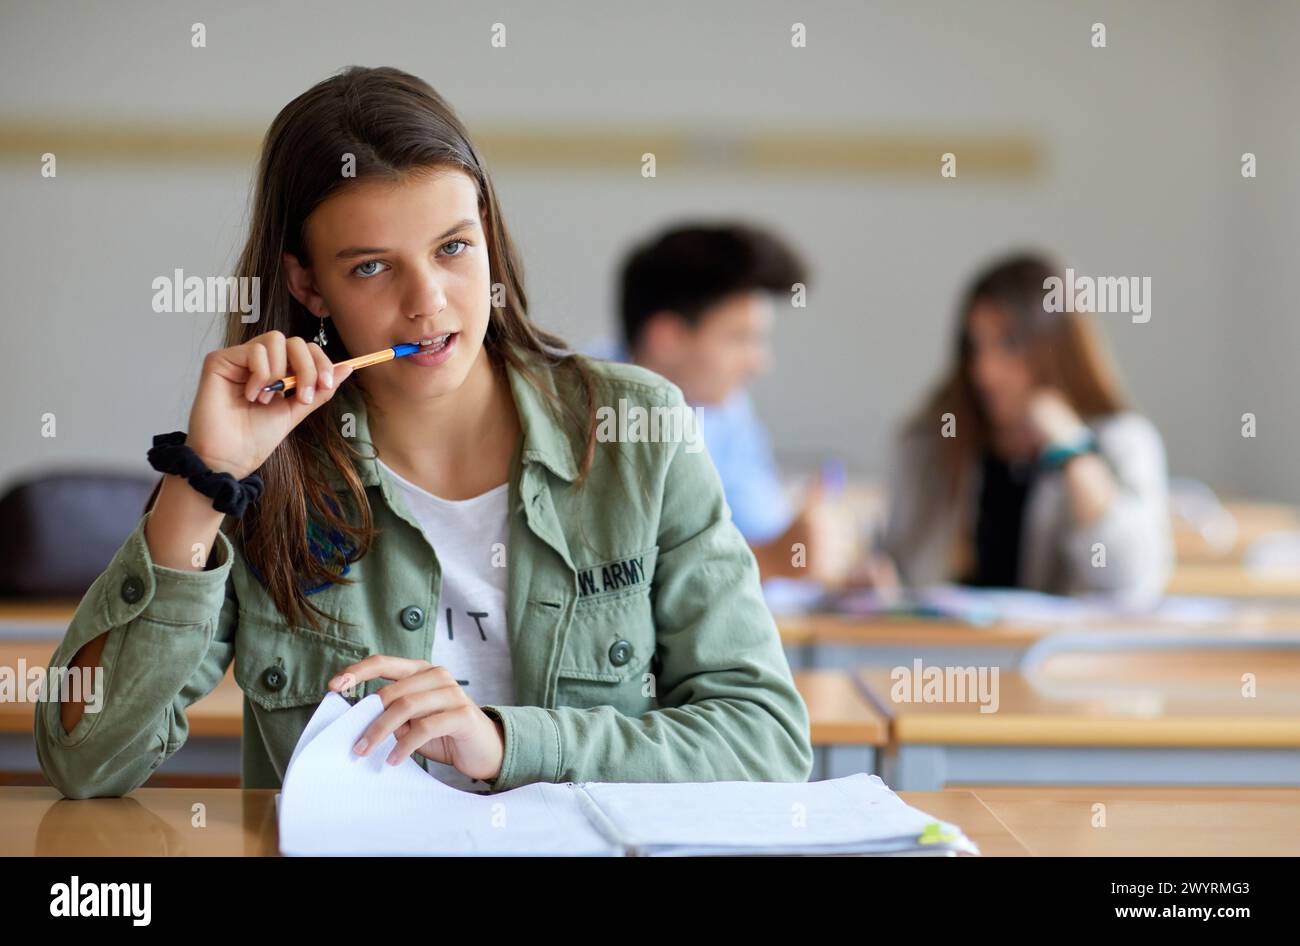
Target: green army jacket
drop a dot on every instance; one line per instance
(641, 645)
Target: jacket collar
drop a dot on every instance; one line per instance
(545, 440)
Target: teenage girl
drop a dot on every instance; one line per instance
(530, 601)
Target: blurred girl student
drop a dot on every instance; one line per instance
(1024, 468)
(439, 529)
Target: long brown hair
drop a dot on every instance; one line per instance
(392, 123)
(1063, 348)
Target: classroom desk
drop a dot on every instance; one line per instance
(846, 728)
(833, 641)
(1167, 726)
(1232, 580)
(1040, 821)
(159, 822)
(819, 640)
(35, 618)
(1172, 822)
(1252, 520)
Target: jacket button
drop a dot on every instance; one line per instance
(620, 653)
(412, 618)
(274, 678)
(132, 589)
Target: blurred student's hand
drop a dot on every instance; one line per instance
(819, 544)
(1052, 419)
(877, 572)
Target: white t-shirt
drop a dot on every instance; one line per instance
(470, 639)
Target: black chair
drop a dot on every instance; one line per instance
(59, 532)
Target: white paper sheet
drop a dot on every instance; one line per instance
(336, 802)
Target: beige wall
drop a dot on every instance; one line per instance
(1141, 143)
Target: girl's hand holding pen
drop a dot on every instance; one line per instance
(235, 425)
(429, 713)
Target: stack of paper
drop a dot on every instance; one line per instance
(335, 802)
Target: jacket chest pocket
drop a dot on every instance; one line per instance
(279, 666)
(611, 639)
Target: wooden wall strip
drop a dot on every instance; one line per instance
(865, 154)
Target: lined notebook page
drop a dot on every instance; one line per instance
(336, 802)
(858, 813)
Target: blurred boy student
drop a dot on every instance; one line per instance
(1025, 468)
(697, 304)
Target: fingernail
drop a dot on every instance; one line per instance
(265, 397)
(308, 395)
(328, 379)
(393, 757)
(361, 746)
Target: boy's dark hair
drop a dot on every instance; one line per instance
(691, 268)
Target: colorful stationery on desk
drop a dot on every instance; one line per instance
(335, 802)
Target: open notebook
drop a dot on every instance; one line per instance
(335, 802)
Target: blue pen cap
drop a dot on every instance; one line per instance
(834, 475)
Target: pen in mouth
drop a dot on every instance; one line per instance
(361, 361)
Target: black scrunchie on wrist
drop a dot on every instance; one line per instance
(231, 496)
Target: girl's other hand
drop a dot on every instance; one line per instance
(429, 713)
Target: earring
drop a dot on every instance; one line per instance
(320, 339)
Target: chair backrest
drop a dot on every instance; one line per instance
(59, 531)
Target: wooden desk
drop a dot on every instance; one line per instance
(843, 643)
(1254, 521)
(1001, 821)
(818, 628)
(35, 618)
(1232, 580)
(831, 641)
(846, 728)
(1171, 822)
(1187, 729)
(154, 822)
(148, 822)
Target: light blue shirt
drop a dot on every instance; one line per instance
(742, 452)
